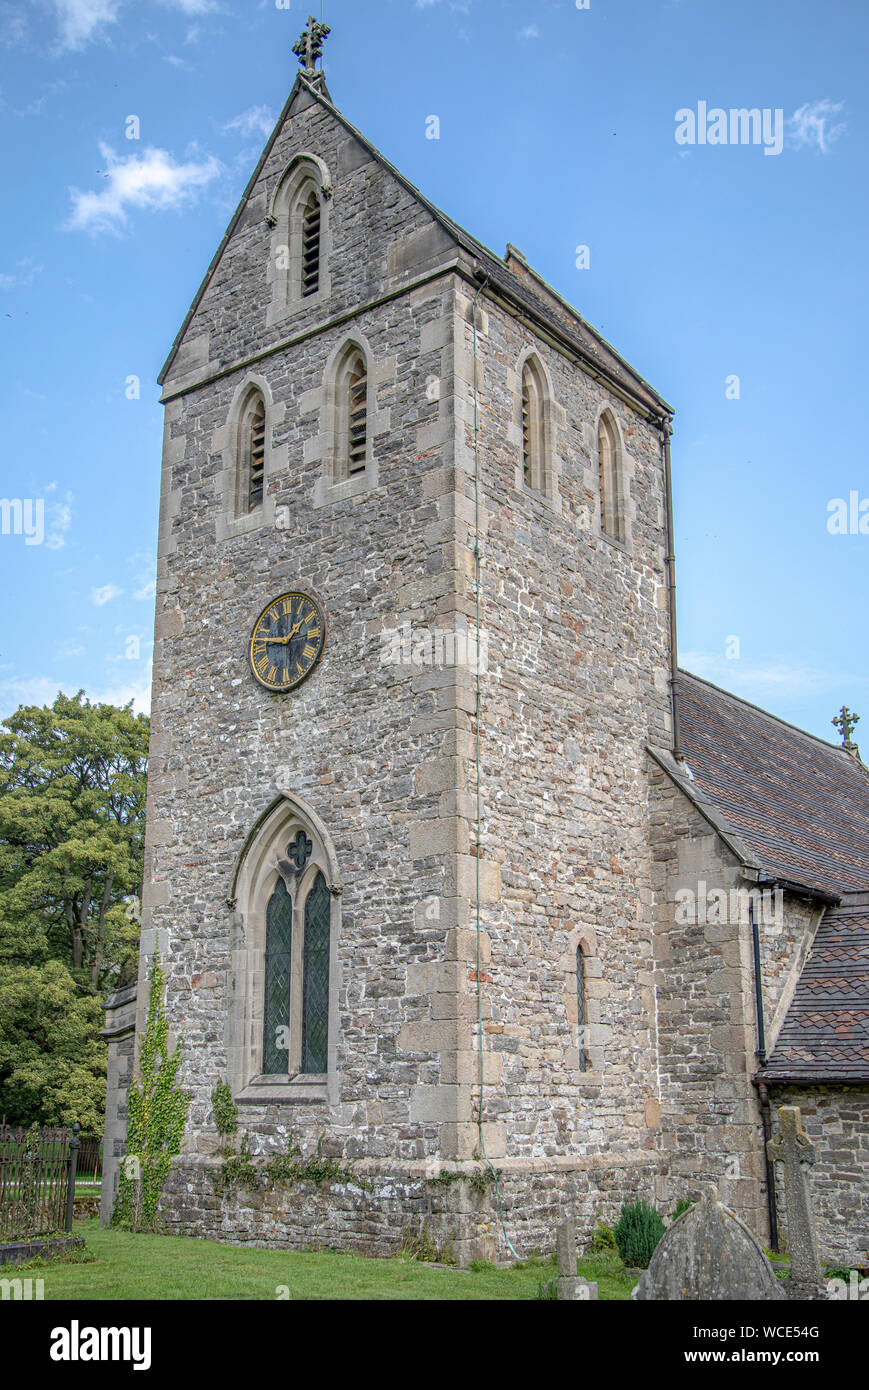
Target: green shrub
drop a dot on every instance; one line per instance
(637, 1233)
(602, 1239)
(225, 1114)
(683, 1205)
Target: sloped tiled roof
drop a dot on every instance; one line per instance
(797, 808)
(800, 805)
(825, 1036)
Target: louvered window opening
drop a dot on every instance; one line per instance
(276, 1011)
(311, 249)
(526, 436)
(358, 421)
(257, 457)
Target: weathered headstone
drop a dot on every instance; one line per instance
(708, 1254)
(568, 1286)
(793, 1147)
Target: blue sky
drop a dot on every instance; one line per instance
(557, 130)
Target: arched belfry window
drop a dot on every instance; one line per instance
(256, 448)
(348, 424)
(357, 414)
(311, 246)
(533, 426)
(612, 512)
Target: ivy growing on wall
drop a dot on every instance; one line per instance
(157, 1108)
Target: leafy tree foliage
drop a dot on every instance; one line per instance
(52, 1062)
(72, 810)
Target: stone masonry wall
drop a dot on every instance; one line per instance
(837, 1121)
(576, 686)
(710, 1114)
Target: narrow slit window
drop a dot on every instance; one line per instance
(580, 1008)
(357, 405)
(256, 455)
(611, 511)
(311, 247)
(532, 429)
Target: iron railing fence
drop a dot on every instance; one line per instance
(37, 1180)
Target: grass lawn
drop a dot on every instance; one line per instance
(177, 1267)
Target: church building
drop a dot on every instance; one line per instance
(465, 890)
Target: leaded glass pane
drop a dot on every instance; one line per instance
(315, 986)
(276, 1013)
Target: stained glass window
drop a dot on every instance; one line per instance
(276, 1013)
(315, 982)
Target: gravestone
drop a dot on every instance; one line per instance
(793, 1147)
(708, 1254)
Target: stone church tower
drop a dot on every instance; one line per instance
(414, 639)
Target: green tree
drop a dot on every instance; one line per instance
(72, 810)
(52, 1062)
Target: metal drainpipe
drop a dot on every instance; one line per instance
(771, 1205)
(666, 431)
(763, 1093)
(758, 984)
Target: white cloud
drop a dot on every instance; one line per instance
(13, 25)
(529, 32)
(257, 120)
(80, 19)
(813, 124)
(27, 690)
(102, 596)
(756, 681)
(150, 180)
(43, 690)
(24, 273)
(147, 590)
(59, 520)
(191, 6)
(139, 691)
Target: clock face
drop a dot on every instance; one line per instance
(287, 641)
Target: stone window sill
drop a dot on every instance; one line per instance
(289, 1090)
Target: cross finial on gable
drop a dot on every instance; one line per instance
(310, 46)
(845, 721)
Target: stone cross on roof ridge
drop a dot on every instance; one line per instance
(845, 721)
(310, 45)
